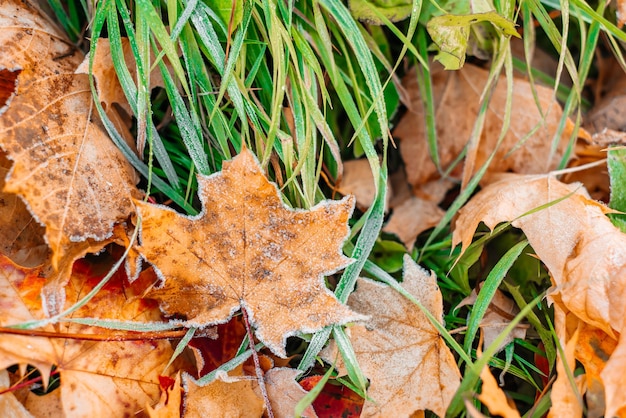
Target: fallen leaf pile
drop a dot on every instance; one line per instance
(236, 284)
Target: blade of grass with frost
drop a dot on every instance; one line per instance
(488, 290)
(187, 122)
(425, 86)
(349, 27)
(554, 35)
(98, 23)
(128, 85)
(471, 376)
(572, 103)
(198, 75)
(276, 39)
(146, 10)
(201, 19)
(350, 361)
(226, 367)
(144, 106)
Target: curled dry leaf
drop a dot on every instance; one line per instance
(494, 398)
(583, 251)
(247, 250)
(73, 178)
(457, 102)
(409, 366)
(9, 404)
(114, 378)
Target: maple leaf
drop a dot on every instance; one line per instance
(73, 178)
(248, 250)
(583, 251)
(113, 378)
(409, 365)
(457, 102)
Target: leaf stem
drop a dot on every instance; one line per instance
(257, 365)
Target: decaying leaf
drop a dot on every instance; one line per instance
(409, 366)
(457, 101)
(74, 179)
(97, 378)
(583, 251)
(247, 250)
(285, 393)
(225, 397)
(451, 34)
(335, 400)
(21, 236)
(358, 181)
(411, 218)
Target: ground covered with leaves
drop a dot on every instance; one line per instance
(313, 208)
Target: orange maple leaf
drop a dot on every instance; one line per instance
(248, 250)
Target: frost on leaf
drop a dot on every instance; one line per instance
(248, 250)
(227, 396)
(73, 178)
(113, 378)
(409, 366)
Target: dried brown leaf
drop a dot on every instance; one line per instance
(584, 253)
(21, 236)
(409, 365)
(411, 218)
(248, 250)
(457, 102)
(285, 393)
(113, 379)
(494, 398)
(358, 181)
(73, 178)
(225, 397)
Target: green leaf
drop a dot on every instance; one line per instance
(370, 10)
(227, 10)
(617, 176)
(451, 34)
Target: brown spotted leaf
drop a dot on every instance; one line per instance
(74, 179)
(248, 250)
(409, 366)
